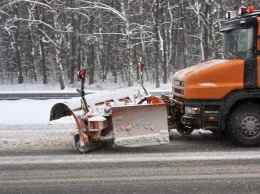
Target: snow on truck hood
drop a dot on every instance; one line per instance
(180, 75)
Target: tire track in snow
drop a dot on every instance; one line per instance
(132, 157)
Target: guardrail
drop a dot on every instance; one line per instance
(39, 95)
(53, 95)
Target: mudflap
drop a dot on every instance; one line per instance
(140, 125)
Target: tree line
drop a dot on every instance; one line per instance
(50, 40)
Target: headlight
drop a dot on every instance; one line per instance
(192, 110)
(178, 83)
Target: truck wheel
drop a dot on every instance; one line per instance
(244, 125)
(82, 149)
(182, 129)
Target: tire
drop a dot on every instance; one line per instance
(182, 129)
(82, 149)
(244, 124)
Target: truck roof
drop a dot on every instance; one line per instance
(255, 13)
(243, 21)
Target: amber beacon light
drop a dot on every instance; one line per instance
(250, 9)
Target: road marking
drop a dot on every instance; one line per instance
(134, 157)
(131, 178)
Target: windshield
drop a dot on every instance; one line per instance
(238, 43)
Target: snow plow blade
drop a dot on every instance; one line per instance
(142, 125)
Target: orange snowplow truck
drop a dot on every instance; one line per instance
(224, 95)
(219, 95)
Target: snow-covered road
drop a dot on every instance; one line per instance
(39, 156)
(24, 124)
(92, 158)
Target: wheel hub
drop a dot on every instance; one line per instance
(250, 126)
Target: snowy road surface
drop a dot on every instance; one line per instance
(38, 156)
(24, 124)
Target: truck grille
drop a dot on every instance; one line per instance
(178, 91)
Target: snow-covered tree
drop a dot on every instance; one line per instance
(51, 40)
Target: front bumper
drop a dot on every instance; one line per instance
(191, 121)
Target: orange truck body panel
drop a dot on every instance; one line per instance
(211, 80)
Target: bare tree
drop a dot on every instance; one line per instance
(53, 39)
(16, 43)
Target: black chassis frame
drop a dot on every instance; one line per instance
(220, 110)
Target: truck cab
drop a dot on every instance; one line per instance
(223, 95)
